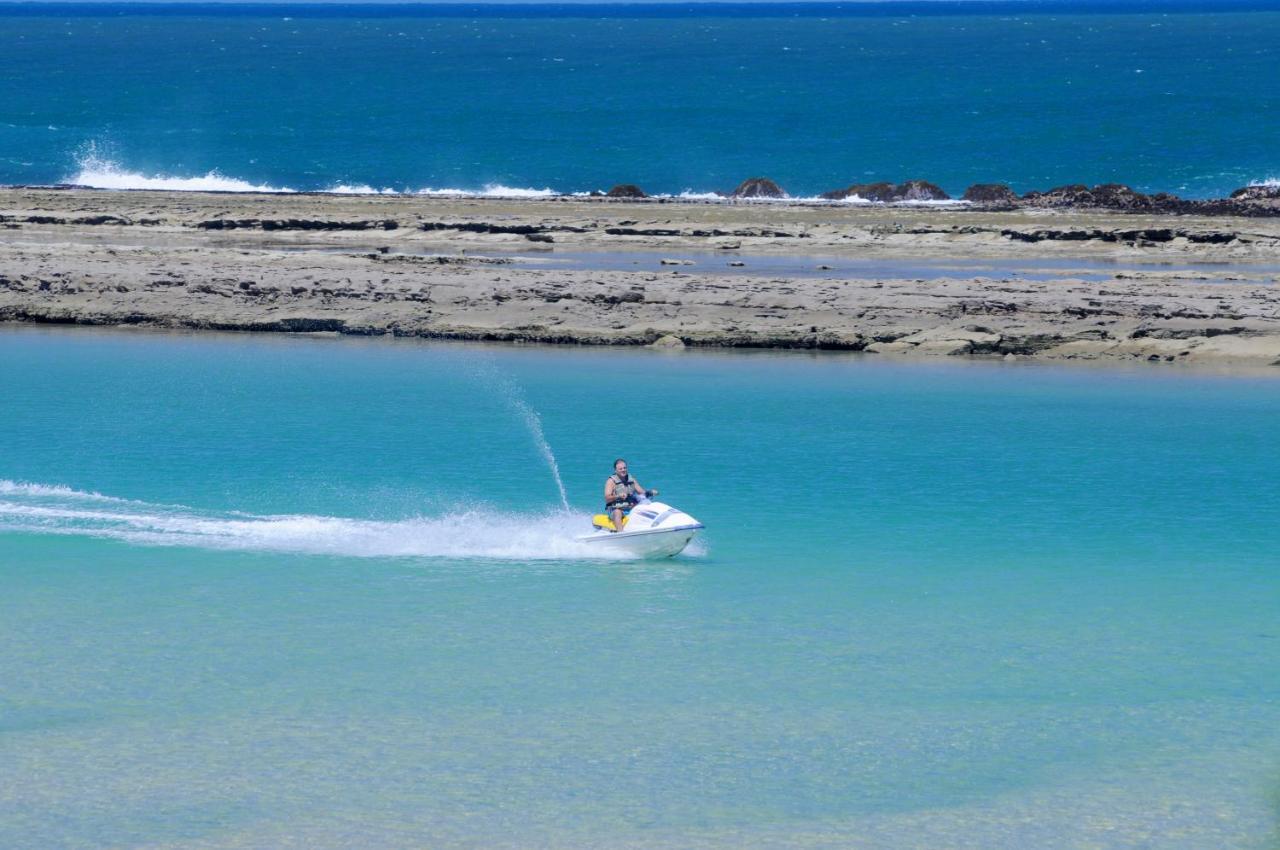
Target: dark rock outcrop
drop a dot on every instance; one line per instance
(758, 187)
(1109, 196)
(1251, 201)
(294, 224)
(1073, 195)
(626, 190)
(89, 220)
(920, 190)
(487, 227)
(1117, 196)
(633, 231)
(1257, 193)
(866, 191)
(911, 190)
(1149, 235)
(990, 193)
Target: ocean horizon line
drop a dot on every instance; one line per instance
(624, 9)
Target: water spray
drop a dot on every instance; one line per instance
(488, 372)
(534, 422)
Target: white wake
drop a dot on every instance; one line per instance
(52, 509)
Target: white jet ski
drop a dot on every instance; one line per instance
(651, 530)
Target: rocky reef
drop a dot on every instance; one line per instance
(990, 193)
(758, 187)
(910, 190)
(1249, 201)
(1267, 192)
(626, 190)
(1055, 281)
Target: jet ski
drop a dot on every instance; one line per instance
(651, 530)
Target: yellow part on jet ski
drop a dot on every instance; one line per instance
(603, 521)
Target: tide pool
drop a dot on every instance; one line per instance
(311, 592)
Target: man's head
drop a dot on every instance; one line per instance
(620, 467)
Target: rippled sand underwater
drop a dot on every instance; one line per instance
(269, 591)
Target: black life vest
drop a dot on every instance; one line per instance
(624, 492)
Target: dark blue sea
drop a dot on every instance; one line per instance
(1174, 96)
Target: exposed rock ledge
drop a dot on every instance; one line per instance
(429, 277)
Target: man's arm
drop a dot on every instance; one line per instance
(608, 491)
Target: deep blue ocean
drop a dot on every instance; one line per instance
(1173, 96)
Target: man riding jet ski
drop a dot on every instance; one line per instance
(636, 526)
(621, 494)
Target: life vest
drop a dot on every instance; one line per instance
(624, 492)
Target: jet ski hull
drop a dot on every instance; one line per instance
(651, 530)
(649, 543)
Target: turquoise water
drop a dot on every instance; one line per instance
(296, 592)
(678, 99)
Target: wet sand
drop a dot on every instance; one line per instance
(888, 280)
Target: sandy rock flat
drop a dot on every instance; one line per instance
(1173, 289)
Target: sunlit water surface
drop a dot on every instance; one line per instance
(292, 592)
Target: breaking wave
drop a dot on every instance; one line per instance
(100, 172)
(470, 534)
(359, 189)
(492, 190)
(852, 200)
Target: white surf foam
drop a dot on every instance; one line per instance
(1269, 182)
(359, 189)
(690, 195)
(953, 202)
(491, 190)
(99, 172)
(468, 534)
(98, 168)
(16, 488)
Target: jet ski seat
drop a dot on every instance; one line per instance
(603, 521)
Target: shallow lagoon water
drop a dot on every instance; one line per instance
(268, 591)
(859, 268)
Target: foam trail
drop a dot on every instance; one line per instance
(471, 534)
